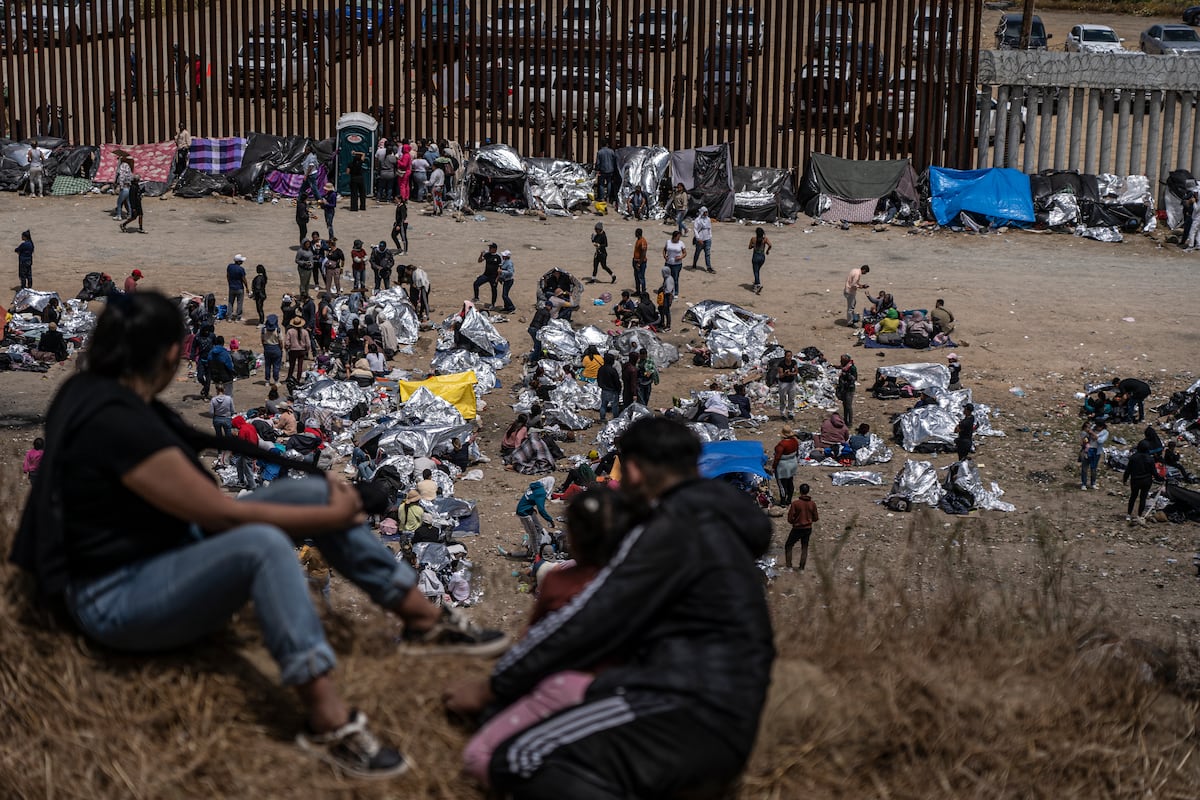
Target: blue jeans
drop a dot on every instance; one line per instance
(680, 216)
(610, 399)
(329, 212)
(124, 207)
(756, 262)
(676, 269)
(177, 597)
(223, 426)
(508, 303)
(705, 247)
(607, 184)
(536, 352)
(1090, 461)
(272, 361)
(639, 276)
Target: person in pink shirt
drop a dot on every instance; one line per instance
(132, 281)
(404, 171)
(33, 458)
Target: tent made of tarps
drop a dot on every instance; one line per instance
(763, 194)
(457, 389)
(645, 167)
(555, 187)
(151, 161)
(836, 189)
(707, 174)
(216, 156)
(356, 133)
(725, 458)
(1067, 198)
(265, 154)
(494, 178)
(1002, 195)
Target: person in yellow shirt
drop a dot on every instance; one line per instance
(592, 362)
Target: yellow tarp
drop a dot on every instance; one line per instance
(457, 389)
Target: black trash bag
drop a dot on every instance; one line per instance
(243, 362)
(95, 285)
(194, 183)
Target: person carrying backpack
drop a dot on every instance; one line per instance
(220, 364)
(202, 346)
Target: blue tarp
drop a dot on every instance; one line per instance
(723, 458)
(1002, 195)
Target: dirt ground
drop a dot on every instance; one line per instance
(1042, 312)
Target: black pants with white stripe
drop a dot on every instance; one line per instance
(617, 747)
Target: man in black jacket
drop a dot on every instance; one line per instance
(608, 379)
(1139, 474)
(540, 318)
(680, 619)
(1133, 394)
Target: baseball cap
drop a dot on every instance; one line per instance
(239, 258)
(137, 273)
(505, 253)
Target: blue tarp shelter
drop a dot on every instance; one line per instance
(1002, 195)
(723, 458)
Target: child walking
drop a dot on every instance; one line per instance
(597, 521)
(802, 513)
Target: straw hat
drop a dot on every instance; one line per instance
(297, 322)
(787, 431)
(412, 496)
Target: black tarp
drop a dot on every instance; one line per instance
(763, 194)
(853, 180)
(1179, 183)
(707, 173)
(266, 153)
(194, 183)
(1095, 211)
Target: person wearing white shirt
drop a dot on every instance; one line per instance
(702, 238)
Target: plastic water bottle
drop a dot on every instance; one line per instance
(262, 189)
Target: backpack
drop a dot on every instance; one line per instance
(916, 341)
(264, 429)
(845, 383)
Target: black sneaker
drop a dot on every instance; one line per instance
(354, 750)
(454, 633)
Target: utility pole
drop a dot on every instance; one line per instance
(1026, 24)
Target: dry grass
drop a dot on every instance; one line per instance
(926, 677)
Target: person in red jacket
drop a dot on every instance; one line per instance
(802, 513)
(245, 464)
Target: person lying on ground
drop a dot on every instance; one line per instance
(683, 593)
(127, 532)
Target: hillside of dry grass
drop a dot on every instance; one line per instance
(930, 677)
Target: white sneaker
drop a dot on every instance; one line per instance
(1128, 518)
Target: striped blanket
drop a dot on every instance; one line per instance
(216, 156)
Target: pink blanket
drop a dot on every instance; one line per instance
(151, 161)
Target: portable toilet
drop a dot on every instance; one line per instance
(356, 133)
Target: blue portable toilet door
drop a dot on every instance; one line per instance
(356, 132)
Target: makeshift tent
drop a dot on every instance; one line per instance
(193, 183)
(645, 167)
(266, 154)
(1180, 183)
(216, 156)
(763, 194)
(495, 179)
(150, 161)
(1098, 206)
(724, 458)
(457, 389)
(555, 187)
(838, 189)
(1001, 195)
(707, 174)
(356, 133)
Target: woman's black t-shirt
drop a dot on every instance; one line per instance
(107, 526)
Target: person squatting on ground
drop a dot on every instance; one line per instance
(126, 531)
(802, 513)
(597, 520)
(682, 592)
